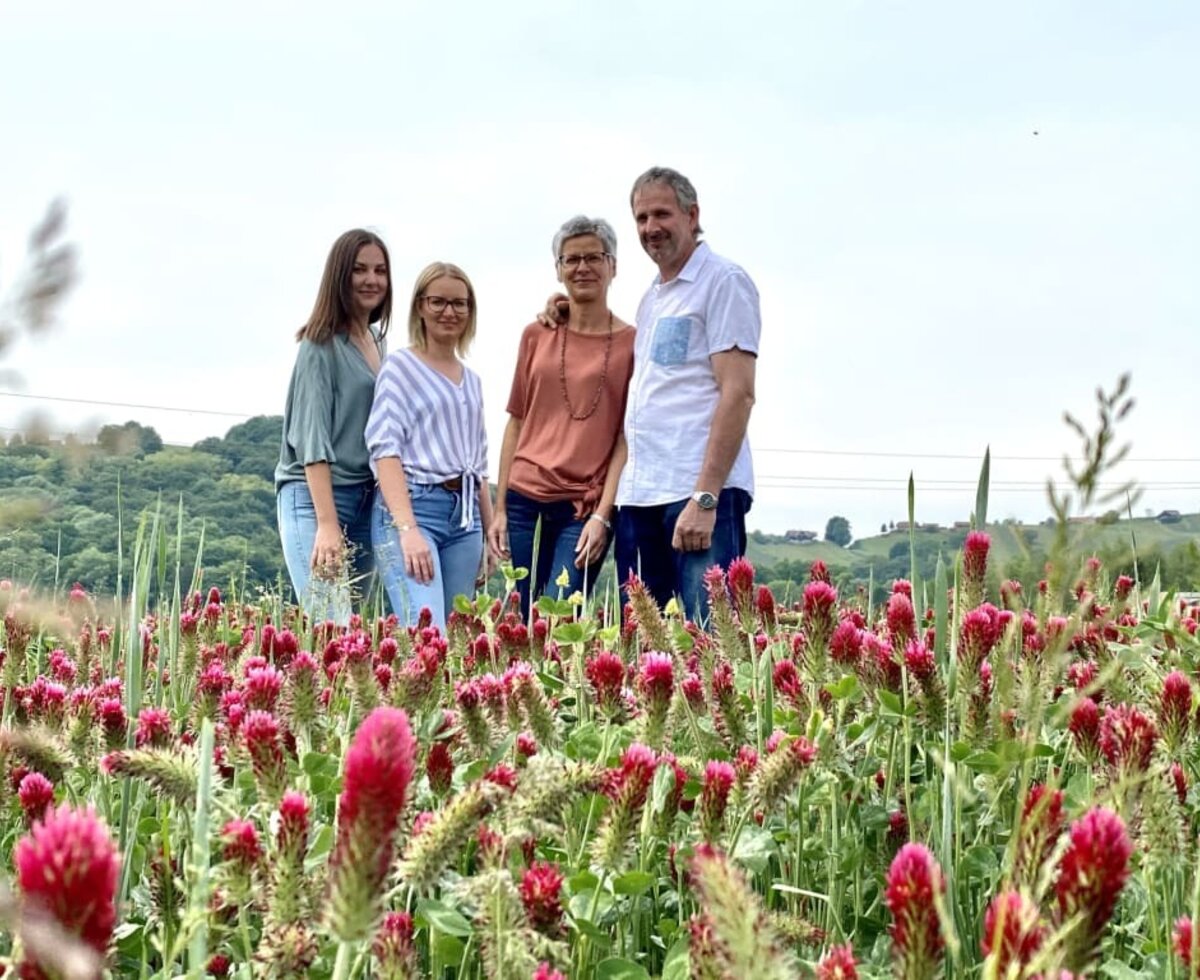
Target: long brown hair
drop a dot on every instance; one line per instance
(331, 313)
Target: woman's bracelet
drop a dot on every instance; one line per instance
(596, 517)
(401, 528)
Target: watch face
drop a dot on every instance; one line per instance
(705, 500)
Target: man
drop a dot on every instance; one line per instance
(688, 480)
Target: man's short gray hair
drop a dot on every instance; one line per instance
(583, 225)
(685, 193)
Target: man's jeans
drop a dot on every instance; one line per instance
(644, 548)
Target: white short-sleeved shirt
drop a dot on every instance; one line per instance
(710, 307)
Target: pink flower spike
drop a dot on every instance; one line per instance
(913, 881)
(68, 865)
(1092, 873)
(378, 768)
(838, 964)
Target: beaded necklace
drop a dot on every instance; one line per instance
(562, 372)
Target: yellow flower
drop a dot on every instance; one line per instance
(564, 578)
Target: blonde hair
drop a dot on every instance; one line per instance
(416, 328)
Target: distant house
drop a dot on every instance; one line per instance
(800, 536)
(1081, 519)
(1169, 517)
(961, 525)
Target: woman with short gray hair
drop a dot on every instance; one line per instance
(563, 449)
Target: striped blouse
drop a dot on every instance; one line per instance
(434, 426)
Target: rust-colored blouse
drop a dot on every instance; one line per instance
(559, 457)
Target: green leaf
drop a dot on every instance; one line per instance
(979, 862)
(321, 845)
(988, 762)
(664, 783)
(581, 904)
(549, 606)
(843, 689)
(317, 762)
(443, 918)
(462, 605)
(891, 702)
(450, 950)
(633, 883)
(615, 968)
(598, 937)
(681, 637)
(981, 494)
(754, 849)
(583, 881)
(678, 962)
(570, 633)
(1120, 971)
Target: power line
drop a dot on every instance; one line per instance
(881, 454)
(107, 404)
(970, 456)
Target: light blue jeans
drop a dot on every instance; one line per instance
(321, 598)
(457, 553)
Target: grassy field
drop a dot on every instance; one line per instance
(1008, 541)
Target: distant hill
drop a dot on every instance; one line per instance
(1018, 551)
(59, 520)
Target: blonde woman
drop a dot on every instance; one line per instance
(428, 449)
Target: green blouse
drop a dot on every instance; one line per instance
(325, 418)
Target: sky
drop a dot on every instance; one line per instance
(961, 218)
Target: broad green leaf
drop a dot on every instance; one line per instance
(581, 904)
(843, 689)
(681, 637)
(754, 849)
(443, 918)
(988, 762)
(633, 882)
(678, 962)
(569, 633)
(598, 937)
(664, 784)
(619, 969)
(450, 950)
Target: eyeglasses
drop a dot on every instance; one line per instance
(438, 304)
(592, 259)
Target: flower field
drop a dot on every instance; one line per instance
(969, 784)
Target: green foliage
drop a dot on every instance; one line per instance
(58, 505)
(837, 531)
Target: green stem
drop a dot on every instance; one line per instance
(341, 965)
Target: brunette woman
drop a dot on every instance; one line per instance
(324, 484)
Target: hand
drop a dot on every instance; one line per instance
(694, 528)
(486, 567)
(329, 551)
(593, 539)
(558, 308)
(497, 536)
(418, 560)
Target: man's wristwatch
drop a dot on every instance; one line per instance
(705, 500)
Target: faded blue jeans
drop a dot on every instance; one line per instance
(644, 548)
(324, 599)
(457, 553)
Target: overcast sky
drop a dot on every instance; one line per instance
(961, 217)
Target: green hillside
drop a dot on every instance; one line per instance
(59, 520)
